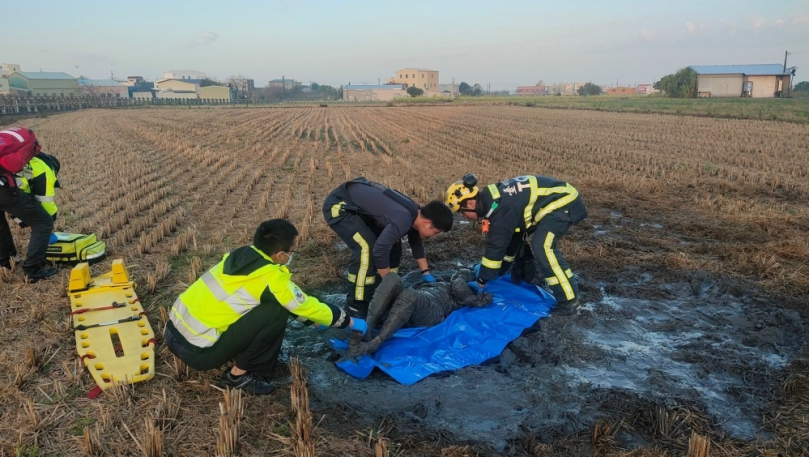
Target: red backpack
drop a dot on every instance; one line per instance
(17, 146)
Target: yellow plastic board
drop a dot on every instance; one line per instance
(111, 350)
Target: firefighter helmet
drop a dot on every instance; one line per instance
(461, 190)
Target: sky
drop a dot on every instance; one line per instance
(498, 44)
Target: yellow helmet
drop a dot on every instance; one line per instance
(461, 190)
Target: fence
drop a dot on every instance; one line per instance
(12, 105)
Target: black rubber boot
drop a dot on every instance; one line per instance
(42, 272)
(567, 308)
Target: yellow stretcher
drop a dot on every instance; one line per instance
(113, 335)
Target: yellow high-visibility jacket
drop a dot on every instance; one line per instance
(38, 179)
(242, 280)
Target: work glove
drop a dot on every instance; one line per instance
(476, 287)
(476, 269)
(358, 325)
(428, 278)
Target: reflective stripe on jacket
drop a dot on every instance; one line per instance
(522, 202)
(242, 280)
(38, 179)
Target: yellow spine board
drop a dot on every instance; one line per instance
(135, 361)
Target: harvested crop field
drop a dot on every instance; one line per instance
(692, 264)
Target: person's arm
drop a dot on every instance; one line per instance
(390, 235)
(309, 309)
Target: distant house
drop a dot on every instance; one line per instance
(620, 91)
(538, 89)
(9, 68)
(424, 79)
(177, 88)
(757, 81)
(451, 89)
(103, 87)
(287, 84)
(184, 74)
(51, 83)
(373, 92)
(132, 81)
(4, 87)
(215, 93)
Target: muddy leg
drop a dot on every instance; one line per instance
(400, 312)
(385, 294)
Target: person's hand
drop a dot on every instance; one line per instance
(476, 269)
(358, 325)
(476, 286)
(427, 277)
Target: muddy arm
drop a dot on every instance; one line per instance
(463, 295)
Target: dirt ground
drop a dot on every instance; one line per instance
(646, 343)
(692, 266)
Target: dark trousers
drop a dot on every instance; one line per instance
(552, 265)
(26, 208)
(253, 342)
(360, 236)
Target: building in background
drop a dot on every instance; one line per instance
(373, 92)
(620, 90)
(424, 79)
(539, 89)
(564, 88)
(645, 89)
(44, 83)
(283, 83)
(176, 88)
(103, 87)
(215, 93)
(757, 81)
(184, 74)
(4, 87)
(133, 81)
(449, 90)
(9, 68)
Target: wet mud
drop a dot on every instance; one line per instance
(641, 343)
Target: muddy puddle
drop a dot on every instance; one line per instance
(701, 343)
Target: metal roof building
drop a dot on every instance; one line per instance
(373, 92)
(757, 81)
(51, 83)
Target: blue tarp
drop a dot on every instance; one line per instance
(469, 336)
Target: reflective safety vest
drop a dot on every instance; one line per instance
(38, 179)
(242, 280)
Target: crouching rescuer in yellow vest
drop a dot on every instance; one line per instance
(515, 210)
(238, 311)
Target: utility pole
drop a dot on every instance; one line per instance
(488, 88)
(283, 87)
(786, 53)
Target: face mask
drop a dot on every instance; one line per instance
(289, 257)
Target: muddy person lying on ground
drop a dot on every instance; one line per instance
(425, 305)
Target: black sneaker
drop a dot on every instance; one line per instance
(40, 273)
(568, 307)
(248, 382)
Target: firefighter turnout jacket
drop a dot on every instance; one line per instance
(519, 205)
(38, 179)
(243, 279)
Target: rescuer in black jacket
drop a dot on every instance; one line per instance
(372, 220)
(513, 211)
